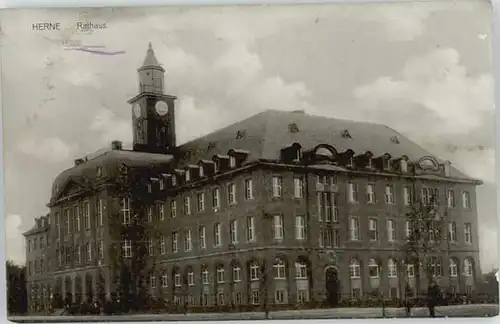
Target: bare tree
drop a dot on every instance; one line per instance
(424, 242)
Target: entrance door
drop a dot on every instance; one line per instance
(332, 287)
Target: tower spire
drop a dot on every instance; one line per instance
(150, 61)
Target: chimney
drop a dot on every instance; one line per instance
(447, 168)
(79, 161)
(116, 145)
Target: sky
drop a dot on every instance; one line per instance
(422, 68)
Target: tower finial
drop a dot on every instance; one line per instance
(150, 46)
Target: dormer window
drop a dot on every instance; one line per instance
(174, 180)
(404, 166)
(99, 172)
(370, 163)
(346, 134)
(161, 184)
(188, 175)
(385, 164)
(149, 188)
(201, 173)
(232, 161)
(298, 155)
(216, 166)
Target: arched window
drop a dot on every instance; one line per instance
(220, 273)
(373, 269)
(204, 275)
(323, 151)
(254, 271)
(392, 268)
(354, 269)
(468, 271)
(300, 270)
(279, 269)
(453, 268)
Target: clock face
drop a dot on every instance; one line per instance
(161, 108)
(137, 110)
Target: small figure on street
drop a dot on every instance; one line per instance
(433, 296)
(408, 296)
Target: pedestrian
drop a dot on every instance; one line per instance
(408, 296)
(433, 294)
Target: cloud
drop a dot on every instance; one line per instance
(14, 239)
(50, 150)
(112, 128)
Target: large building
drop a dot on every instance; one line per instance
(282, 207)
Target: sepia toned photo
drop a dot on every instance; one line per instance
(249, 162)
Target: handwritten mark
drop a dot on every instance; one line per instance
(93, 49)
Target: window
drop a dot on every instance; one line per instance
(238, 298)
(201, 172)
(236, 273)
(279, 269)
(255, 297)
(370, 193)
(187, 205)
(200, 201)
(220, 273)
(300, 270)
(408, 229)
(89, 251)
(355, 293)
(468, 233)
(232, 161)
(302, 296)
(392, 268)
(404, 166)
(173, 209)
(250, 229)
(327, 207)
(429, 195)
(389, 194)
(435, 266)
(175, 241)
(162, 245)
(86, 214)
(150, 214)
(78, 256)
(202, 235)
(298, 187)
(150, 247)
(407, 193)
(373, 229)
(468, 271)
(217, 235)
(204, 276)
(220, 297)
(215, 198)
(174, 180)
(393, 292)
(410, 270)
(149, 188)
(391, 230)
(177, 279)
(453, 268)
(248, 189)
(350, 162)
(278, 227)
(329, 238)
(452, 232)
(125, 209)
(76, 214)
(279, 296)
(300, 227)
(450, 198)
(354, 269)
(161, 211)
(373, 269)
(191, 276)
(152, 282)
(369, 163)
(386, 164)
(254, 271)
(353, 192)
(354, 228)
(162, 184)
(277, 186)
(164, 281)
(231, 193)
(188, 175)
(187, 241)
(466, 199)
(233, 231)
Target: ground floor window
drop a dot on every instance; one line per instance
(355, 293)
(191, 300)
(204, 299)
(220, 298)
(468, 289)
(279, 296)
(393, 292)
(301, 296)
(255, 298)
(237, 298)
(177, 300)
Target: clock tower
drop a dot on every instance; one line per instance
(153, 111)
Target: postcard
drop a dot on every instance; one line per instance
(249, 162)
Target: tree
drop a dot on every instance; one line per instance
(17, 296)
(134, 191)
(425, 240)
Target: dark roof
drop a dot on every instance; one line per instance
(109, 158)
(263, 135)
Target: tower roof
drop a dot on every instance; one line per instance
(150, 61)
